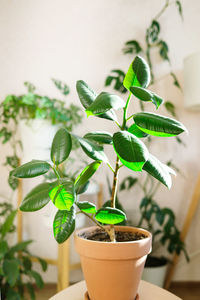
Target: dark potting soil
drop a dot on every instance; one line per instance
(153, 261)
(120, 236)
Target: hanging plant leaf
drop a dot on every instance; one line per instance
(101, 137)
(132, 47)
(64, 224)
(31, 169)
(128, 183)
(87, 97)
(61, 146)
(108, 215)
(103, 103)
(130, 150)
(163, 50)
(87, 207)
(176, 82)
(158, 125)
(138, 74)
(86, 174)
(92, 149)
(62, 86)
(180, 10)
(158, 170)
(146, 95)
(153, 32)
(136, 131)
(37, 198)
(63, 195)
(170, 108)
(116, 77)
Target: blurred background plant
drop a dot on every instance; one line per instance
(17, 274)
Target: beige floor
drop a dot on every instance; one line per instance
(185, 292)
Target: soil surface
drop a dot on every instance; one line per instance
(121, 236)
(153, 261)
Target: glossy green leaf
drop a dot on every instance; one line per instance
(11, 270)
(108, 215)
(101, 137)
(61, 146)
(131, 151)
(37, 198)
(63, 195)
(64, 224)
(158, 170)
(146, 95)
(103, 103)
(31, 169)
(138, 74)
(87, 207)
(158, 125)
(92, 149)
(87, 97)
(136, 131)
(86, 174)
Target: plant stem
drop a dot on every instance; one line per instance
(125, 110)
(162, 10)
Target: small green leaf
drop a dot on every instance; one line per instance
(131, 151)
(31, 169)
(86, 174)
(87, 97)
(153, 32)
(63, 195)
(43, 264)
(128, 183)
(138, 74)
(158, 170)
(103, 103)
(13, 295)
(180, 10)
(176, 82)
(62, 86)
(170, 108)
(11, 270)
(82, 188)
(92, 149)
(117, 77)
(6, 226)
(38, 279)
(64, 224)
(108, 215)
(20, 246)
(61, 146)
(158, 125)
(37, 198)
(146, 95)
(31, 290)
(163, 50)
(87, 207)
(3, 248)
(101, 137)
(132, 47)
(136, 131)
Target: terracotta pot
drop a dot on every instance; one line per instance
(113, 270)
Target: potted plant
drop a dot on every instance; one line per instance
(17, 275)
(112, 256)
(161, 222)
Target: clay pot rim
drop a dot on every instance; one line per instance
(124, 228)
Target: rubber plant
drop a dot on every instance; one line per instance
(126, 143)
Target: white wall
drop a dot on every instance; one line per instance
(77, 39)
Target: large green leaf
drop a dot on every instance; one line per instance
(37, 277)
(64, 224)
(158, 125)
(87, 97)
(131, 151)
(63, 195)
(11, 270)
(138, 74)
(103, 103)
(136, 131)
(31, 169)
(37, 198)
(146, 95)
(87, 207)
(101, 137)
(61, 146)
(108, 215)
(159, 170)
(86, 174)
(92, 149)
(6, 226)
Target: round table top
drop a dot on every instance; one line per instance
(147, 291)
